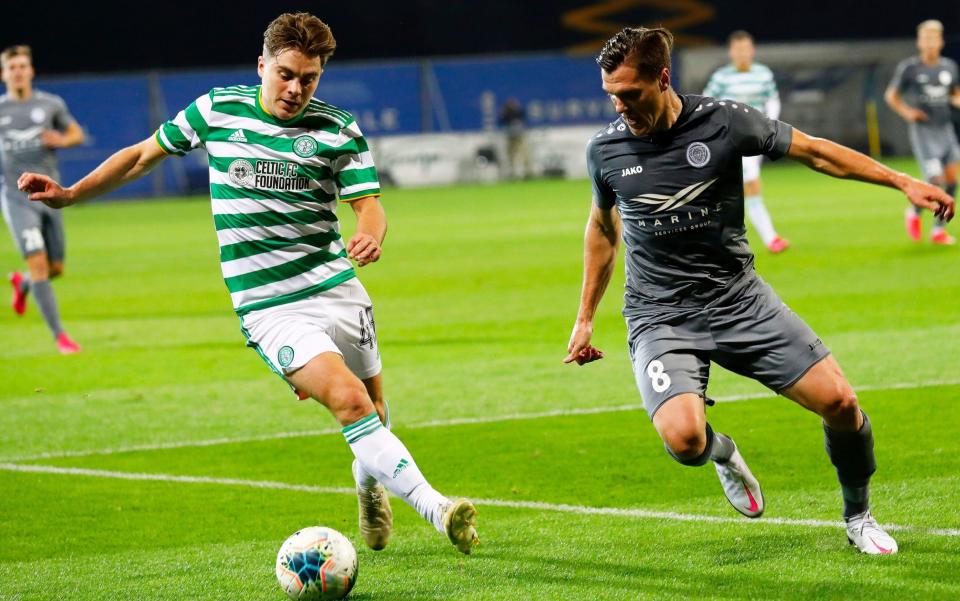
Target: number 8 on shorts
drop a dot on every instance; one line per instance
(658, 377)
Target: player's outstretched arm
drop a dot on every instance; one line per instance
(839, 161)
(600, 244)
(364, 246)
(124, 166)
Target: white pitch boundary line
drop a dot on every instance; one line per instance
(428, 424)
(533, 505)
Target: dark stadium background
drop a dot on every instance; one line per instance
(72, 37)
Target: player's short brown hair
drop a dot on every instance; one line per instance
(18, 50)
(299, 31)
(740, 34)
(647, 49)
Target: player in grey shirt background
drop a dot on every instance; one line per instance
(921, 91)
(667, 178)
(33, 125)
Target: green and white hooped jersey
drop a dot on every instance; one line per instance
(274, 186)
(755, 87)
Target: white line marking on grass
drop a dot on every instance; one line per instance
(459, 421)
(533, 505)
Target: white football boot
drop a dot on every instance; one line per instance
(739, 485)
(864, 533)
(376, 517)
(460, 524)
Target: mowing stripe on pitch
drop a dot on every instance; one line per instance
(457, 421)
(532, 505)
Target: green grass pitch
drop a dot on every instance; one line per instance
(167, 462)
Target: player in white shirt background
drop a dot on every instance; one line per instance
(750, 83)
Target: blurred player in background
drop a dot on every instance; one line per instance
(921, 91)
(750, 83)
(279, 163)
(666, 180)
(33, 125)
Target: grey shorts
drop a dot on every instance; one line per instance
(934, 148)
(749, 331)
(35, 227)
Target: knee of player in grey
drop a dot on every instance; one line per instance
(700, 459)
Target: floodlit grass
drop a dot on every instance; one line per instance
(475, 297)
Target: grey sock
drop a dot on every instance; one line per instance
(723, 448)
(852, 454)
(25, 283)
(43, 295)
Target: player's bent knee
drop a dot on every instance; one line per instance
(55, 270)
(350, 404)
(842, 404)
(686, 445)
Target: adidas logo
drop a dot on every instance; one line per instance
(237, 136)
(400, 467)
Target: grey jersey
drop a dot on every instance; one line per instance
(21, 127)
(679, 194)
(927, 87)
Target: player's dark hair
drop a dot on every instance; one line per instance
(299, 31)
(18, 50)
(738, 35)
(647, 49)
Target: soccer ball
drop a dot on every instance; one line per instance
(317, 564)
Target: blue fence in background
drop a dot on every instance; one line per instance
(401, 97)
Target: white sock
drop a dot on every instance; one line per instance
(760, 219)
(365, 479)
(383, 456)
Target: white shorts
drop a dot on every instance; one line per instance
(751, 168)
(339, 320)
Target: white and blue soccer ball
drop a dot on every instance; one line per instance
(317, 564)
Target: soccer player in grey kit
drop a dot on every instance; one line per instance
(667, 178)
(33, 124)
(921, 91)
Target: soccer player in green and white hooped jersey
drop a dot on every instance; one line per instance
(279, 161)
(753, 84)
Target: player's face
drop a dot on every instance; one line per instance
(742, 53)
(289, 81)
(17, 72)
(641, 101)
(930, 41)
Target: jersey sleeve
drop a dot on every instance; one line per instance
(603, 196)
(754, 133)
(188, 129)
(353, 170)
(898, 81)
(714, 89)
(62, 119)
(771, 103)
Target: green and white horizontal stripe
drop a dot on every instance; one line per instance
(754, 87)
(365, 426)
(274, 187)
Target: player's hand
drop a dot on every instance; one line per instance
(52, 139)
(917, 115)
(363, 248)
(41, 188)
(928, 196)
(579, 348)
